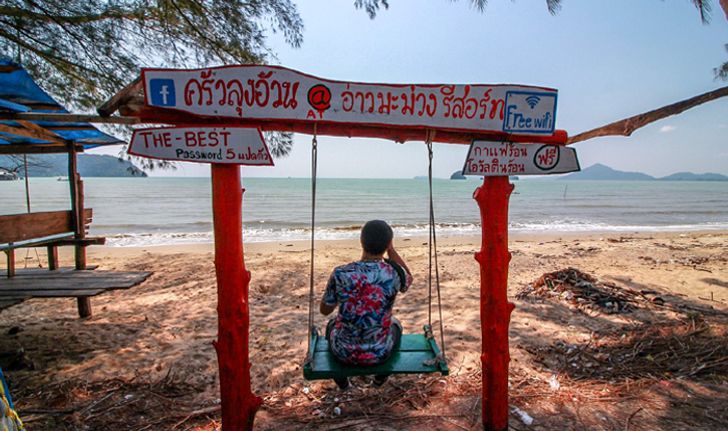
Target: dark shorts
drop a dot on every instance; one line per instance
(396, 336)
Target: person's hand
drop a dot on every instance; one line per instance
(409, 280)
(390, 248)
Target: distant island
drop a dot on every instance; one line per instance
(605, 173)
(689, 176)
(89, 165)
(458, 175)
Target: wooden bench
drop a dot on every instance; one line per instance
(50, 229)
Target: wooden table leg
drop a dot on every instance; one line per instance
(52, 257)
(84, 306)
(11, 262)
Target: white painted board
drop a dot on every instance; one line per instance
(488, 158)
(214, 144)
(276, 93)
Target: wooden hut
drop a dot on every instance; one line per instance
(26, 127)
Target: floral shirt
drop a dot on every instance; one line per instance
(365, 293)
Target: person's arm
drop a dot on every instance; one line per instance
(396, 258)
(325, 308)
(328, 301)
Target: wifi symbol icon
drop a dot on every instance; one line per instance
(532, 101)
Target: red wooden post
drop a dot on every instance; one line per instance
(495, 310)
(239, 404)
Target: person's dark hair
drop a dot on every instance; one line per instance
(376, 236)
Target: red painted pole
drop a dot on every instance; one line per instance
(239, 404)
(495, 310)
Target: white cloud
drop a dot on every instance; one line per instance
(667, 129)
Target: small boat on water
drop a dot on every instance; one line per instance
(62, 179)
(8, 176)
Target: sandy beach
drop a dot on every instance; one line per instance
(145, 359)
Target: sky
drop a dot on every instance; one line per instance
(608, 59)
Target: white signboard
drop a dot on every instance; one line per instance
(214, 144)
(487, 158)
(277, 93)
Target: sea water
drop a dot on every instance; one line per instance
(149, 211)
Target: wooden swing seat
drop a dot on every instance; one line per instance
(416, 355)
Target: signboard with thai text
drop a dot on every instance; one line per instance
(214, 144)
(276, 93)
(487, 158)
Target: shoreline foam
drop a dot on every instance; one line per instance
(258, 235)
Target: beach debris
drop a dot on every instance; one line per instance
(554, 383)
(687, 349)
(337, 411)
(621, 239)
(17, 359)
(581, 290)
(523, 416)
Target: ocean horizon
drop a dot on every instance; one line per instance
(177, 210)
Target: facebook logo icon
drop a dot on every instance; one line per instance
(162, 92)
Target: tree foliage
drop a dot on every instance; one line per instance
(15, 163)
(553, 6)
(722, 71)
(83, 51)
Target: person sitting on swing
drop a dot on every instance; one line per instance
(364, 332)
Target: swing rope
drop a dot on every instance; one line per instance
(314, 161)
(433, 252)
(27, 204)
(440, 358)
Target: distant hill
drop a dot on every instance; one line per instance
(458, 175)
(689, 176)
(603, 172)
(89, 165)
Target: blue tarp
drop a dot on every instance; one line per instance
(19, 93)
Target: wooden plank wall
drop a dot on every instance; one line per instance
(22, 227)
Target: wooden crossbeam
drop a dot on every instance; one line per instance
(392, 132)
(30, 132)
(66, 118)
(627, 126)
(36, 148)
(41, 131)
(120, 98)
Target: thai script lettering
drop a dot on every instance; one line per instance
(492, 158)
(260, 92)
(273, 93)
(496, 166)
(265, 90)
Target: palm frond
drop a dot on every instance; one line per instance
(371, 6)
(279, 143)
(554, 6)
(479, 4)
(705, 8)
(721, 72)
